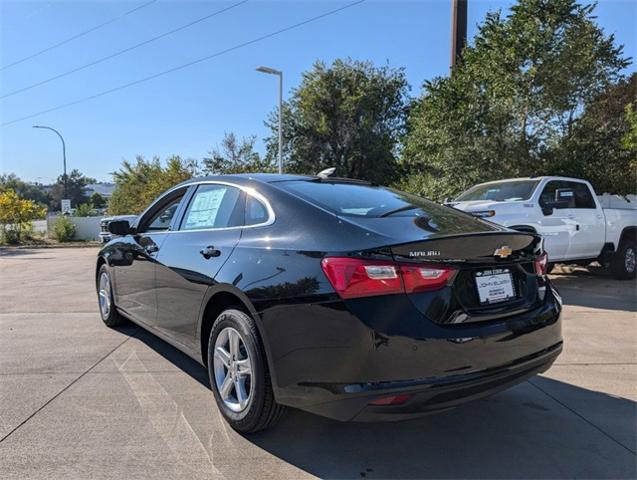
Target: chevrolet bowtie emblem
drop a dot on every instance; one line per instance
(502, 252)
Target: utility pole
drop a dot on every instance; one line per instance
(458, 29)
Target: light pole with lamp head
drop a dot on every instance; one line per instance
(273, 71)
(63, 154)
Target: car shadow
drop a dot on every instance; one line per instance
(170, 353)
(594, 287)
(8, 252)
(519, 433)
(543, 428)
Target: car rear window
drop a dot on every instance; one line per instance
(369, 201)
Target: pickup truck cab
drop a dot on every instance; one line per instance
(575, 226)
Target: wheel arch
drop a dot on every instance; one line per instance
(217, 299)
(524, 228)
(627, 233)
(100, 261)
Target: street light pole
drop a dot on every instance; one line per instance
(63, 154)
(279, 73)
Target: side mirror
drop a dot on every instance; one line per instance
(547, 211)
(120, 227)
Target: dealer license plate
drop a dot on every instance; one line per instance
(495, 285)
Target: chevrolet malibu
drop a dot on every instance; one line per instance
(331, 295)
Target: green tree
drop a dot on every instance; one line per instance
(348, 115)
(17, 215)
(629, 140)
(236, 156)
(76, 189)
(98, 200)
(138, 184)
(598, 147)
(25, 190)
(518, 92)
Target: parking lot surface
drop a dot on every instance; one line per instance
(79, 400)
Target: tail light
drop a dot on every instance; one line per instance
(352, 277)
(356, 277)
(423, 279)
(541, 264)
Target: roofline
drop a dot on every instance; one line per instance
(539, 178)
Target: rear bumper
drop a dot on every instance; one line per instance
(431, 395)
(330, 360)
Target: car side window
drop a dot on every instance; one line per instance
(162, 219)
(547, 198)
(214, 206)
(256, 212)
(583, 196)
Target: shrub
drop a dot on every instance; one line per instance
(11, 236)
(85, 210)
(64, 229)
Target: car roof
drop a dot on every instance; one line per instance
(539, 178)
(242, 177)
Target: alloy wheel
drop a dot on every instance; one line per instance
(104, 294)
(629, 260)
(232, 369)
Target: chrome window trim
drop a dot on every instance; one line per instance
(248, 190)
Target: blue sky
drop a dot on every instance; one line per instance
(187, 112)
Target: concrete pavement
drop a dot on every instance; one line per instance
(79, 400)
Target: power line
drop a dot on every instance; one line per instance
(75, 37)
(186, 65)
(121, 52)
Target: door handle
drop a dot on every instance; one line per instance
(210, 252)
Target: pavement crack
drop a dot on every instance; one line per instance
(599, 429)
(63, 390)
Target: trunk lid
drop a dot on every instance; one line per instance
(495, 275)
(479, 247)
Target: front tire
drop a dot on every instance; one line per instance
(623, 262)
(108, 312)
(239, 374)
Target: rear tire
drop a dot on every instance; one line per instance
(108, 311)
(622, 264)
(239, 375)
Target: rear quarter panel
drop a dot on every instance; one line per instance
(616, 221)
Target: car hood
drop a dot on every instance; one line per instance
(476, 205)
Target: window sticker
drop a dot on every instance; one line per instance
(204, 208)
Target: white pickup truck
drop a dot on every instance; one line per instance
(566, 212)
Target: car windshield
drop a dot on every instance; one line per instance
(500, 191)
(369, 201)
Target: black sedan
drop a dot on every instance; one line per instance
(335, 296)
